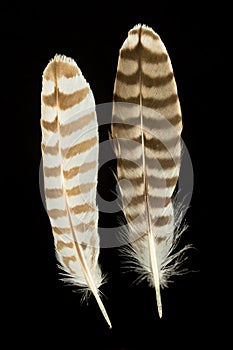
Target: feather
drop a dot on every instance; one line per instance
(70, 165)
(146, 128)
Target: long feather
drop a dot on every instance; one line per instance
(146, 128)
(70, 165)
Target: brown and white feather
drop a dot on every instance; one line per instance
(70, 163)
(146, 128)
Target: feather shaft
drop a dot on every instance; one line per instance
(151, 241)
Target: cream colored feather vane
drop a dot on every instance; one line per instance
(70, 164)
(146, 128)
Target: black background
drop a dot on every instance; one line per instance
(92, 34)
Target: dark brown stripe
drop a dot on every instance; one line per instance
(155, 201)
(120, 126)
(154, 182)
(160, 239)
(134, 181)
(135, 100)
(67, 129)
(176, 119)
(162, 221)
(82, 208)
(149, 122)
(172, 181)
(168, 163)
(141, 214)
(52, 172)
(162, 163)
(56, 213)
(156, 103)
(127, 164)
(157, 81)
(146, 55)
(61, 245)
(138, 199)
(154, 144)
(127, 79)
(79, 148)
(50, 126)
(145, 79)
(153, 57)
(130, 54)
(148, 32)
(151, 163)
(161, 124)
(69, 174)
(83, 245)
(58, 69)
(135, 31)
(53, 193)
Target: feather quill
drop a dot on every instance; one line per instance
(146, 128)
(70, 165)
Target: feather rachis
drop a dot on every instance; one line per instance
(70, 151)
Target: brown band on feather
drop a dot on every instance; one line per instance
(53, 192)
(60, 245)
(79, 147)
(69, 128)
(162, 221)
(50, 126)
(67, 260)
(145, 79)
(61, 230)
(52, 172)
(56, 213)
(57, 69)
(65, 101)
(83, 208)
(85, 167)
(53, 150)
(83, 188)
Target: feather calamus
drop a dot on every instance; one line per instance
(146, 128)
(70, 165)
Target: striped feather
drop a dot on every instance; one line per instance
(146, 128)
(70, 164)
